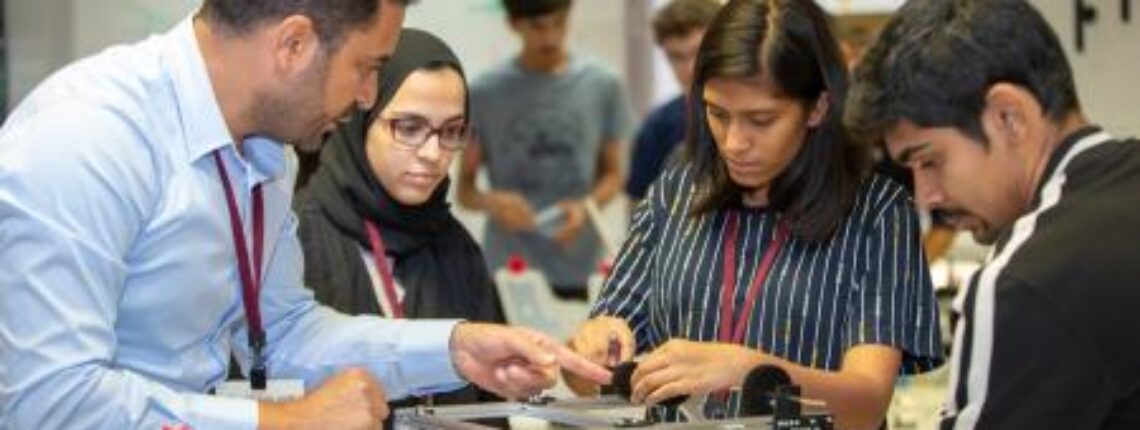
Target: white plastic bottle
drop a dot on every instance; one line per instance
(528, 301)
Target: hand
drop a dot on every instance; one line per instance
(350, 400)
(592, 341)
(683, 367)
(515, 362)
(511, 210)
(576, 218)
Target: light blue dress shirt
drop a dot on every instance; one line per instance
(119, 290)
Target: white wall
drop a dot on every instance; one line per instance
(99, 23)
(44, 35)
(47, 34)
(477, 30)
(665, 85)
(1108, 71)
(37, 43)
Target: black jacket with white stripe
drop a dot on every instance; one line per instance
(1050, 331)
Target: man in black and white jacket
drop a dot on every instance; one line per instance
(977, 99)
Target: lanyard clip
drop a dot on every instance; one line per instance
(257, 372)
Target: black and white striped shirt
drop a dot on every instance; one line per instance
(868, 284)
(1049, 336)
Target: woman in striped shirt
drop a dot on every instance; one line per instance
(771, 244)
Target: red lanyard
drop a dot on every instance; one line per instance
(732, 330)
(250, 272)
(381, 260)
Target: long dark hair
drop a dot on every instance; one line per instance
(791, 41)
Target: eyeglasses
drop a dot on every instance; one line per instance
(414, 132)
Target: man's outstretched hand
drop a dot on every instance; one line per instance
(516, 362)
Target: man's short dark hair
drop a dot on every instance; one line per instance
(333, 19)
(935, 60)
(681, 17)
(525, 9)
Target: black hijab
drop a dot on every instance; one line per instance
(345, 186)
(439, 265)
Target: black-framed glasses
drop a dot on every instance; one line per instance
(414, 132)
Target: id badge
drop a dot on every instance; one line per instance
(276, 390)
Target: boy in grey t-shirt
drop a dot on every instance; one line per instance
(549, 128)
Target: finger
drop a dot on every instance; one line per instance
(498, 383)
(657, 361)
(532, 381)
(596, 353)
(373, 393)
(584, 345)
(502, 385)
(373, 390)
(533, 348)
(545, 375)
(668, 391)
(642, 387)
(604, 328)
(377, 405)
(515, 381)
(628, 346)
(581, 386)
(581, 366)
(593, 339)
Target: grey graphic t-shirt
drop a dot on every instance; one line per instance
(542, 135)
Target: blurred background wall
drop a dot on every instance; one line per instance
(43, 35)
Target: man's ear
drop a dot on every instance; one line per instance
(1009, 112)
(819, 109)
(295, 44)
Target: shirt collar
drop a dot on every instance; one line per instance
(1059, 153)
(203, 125)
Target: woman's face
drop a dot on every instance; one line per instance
(413, 140)
(758, 132)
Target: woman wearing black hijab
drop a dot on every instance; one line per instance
(377, 232)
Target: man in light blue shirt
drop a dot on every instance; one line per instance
(121, 298)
